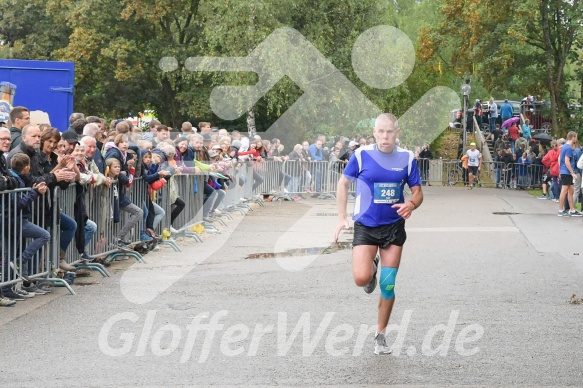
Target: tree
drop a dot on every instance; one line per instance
(561, 24)
(522, 44)
(29, 31)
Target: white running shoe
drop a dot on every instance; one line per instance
(380, 345)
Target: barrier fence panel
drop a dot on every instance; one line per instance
(526, 175)
(100, 208)
(100, 205)
(235, 189)
(296, 170)
(268, 177)
(320, 171)
(162, 198)
(11, 227)
(190, 189)
(40, 265)
(453, 173)
(246, 169)
(13, 223)
(138, 194)
(335, 170)
(435, 174)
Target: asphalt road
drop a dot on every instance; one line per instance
(482, 299)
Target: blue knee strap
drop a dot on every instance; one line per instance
(387, 282)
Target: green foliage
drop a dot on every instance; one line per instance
(117, 46)
(514, 48)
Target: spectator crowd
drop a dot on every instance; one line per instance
(92, 153)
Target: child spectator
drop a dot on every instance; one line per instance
(39, 237)
(123, 171)
(464, 160)
(153, 213)
(169, 153)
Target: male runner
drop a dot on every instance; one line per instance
(474, 163)
(567, 177)
(381, 170)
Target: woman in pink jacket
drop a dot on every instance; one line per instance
(551, 160)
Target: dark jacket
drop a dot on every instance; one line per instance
(347, 155)
(16, 135)
(125, 178)
(7, 181)
(149, 173)
(99, 161)
(80, 212)
(48, 164)
(25, 199)
(426, 154)
(37, 172)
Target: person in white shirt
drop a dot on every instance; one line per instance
(474, 163)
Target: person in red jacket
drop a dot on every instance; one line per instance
(513, 136)
(551, 160)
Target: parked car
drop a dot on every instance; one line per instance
(539, 115)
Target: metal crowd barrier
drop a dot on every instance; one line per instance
(282, 179)
(273, 178)
(99, 202)
(520, 176)
(185, 186)
(12, 243)
(296, 170)
(240, 190)
(11, 228)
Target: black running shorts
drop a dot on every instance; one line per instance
(380, 236)
(473, 170)
(566, 180)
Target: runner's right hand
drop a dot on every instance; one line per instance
(342, 224)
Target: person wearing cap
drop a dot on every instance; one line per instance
(474, 163)
(72, 140)
(352, 146)
(380, 171)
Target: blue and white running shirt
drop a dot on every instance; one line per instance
(380, 183)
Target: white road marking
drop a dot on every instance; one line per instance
(479, 229)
